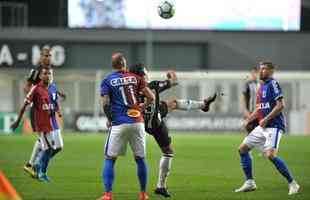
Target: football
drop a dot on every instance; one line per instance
(166, 9)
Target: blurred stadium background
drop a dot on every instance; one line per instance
(211, 44)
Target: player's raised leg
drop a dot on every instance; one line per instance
(187, 104)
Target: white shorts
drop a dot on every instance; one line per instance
(51, 140)
(46, 140)
(263, 138)
(120, 135)
(57, 138)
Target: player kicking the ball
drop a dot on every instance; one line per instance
(154, 120)
(266, 136)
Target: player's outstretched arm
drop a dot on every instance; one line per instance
(20, 116)
(172, 78)
(166, 84)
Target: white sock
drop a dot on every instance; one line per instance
(164, 168)
(186, 104)
(35, 152)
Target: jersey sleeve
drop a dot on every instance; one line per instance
(276, 90)
(104, 88)
(30, 95)
(160, 86)
(245, 88)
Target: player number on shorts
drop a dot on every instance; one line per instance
(130, 92)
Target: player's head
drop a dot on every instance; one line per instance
(254, 72)
(45, 75)
(266, 70)
(45, 56)
(140, 70)
(119, 61)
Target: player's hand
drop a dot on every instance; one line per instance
(141, 106)
(263, 122)
(14, 125)
(59, 114)
(172, 77)
(247, 114)
(108, 124)
(245, 124)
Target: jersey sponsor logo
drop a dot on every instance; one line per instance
(263, 105)
(124, 81)
(133, 113)
(46, 106)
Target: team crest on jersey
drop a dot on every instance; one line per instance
(124, 81)
(133, 113)
(264, 93)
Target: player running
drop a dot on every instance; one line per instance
(119, 93)
(266, 137)
(154, 120)
(33, 79)
(39, 96)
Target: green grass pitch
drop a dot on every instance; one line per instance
(204, 167)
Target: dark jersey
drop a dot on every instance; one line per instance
(155, 112)
(249, 91)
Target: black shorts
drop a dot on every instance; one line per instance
(160, 134)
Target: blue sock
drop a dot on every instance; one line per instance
(282, 168)
(108, 174)
(142, 173)
(45, 160)
(246, 163)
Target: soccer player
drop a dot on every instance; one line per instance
(266, 137)
(39, 96)
(33, 79)
(248, 98)
(154, 120)
(119, 93)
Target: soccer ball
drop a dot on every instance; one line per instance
(166, 9)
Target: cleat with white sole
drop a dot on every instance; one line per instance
(293, 188)
(248, 186)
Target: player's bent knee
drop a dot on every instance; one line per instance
(271, 154)
(243, 148)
